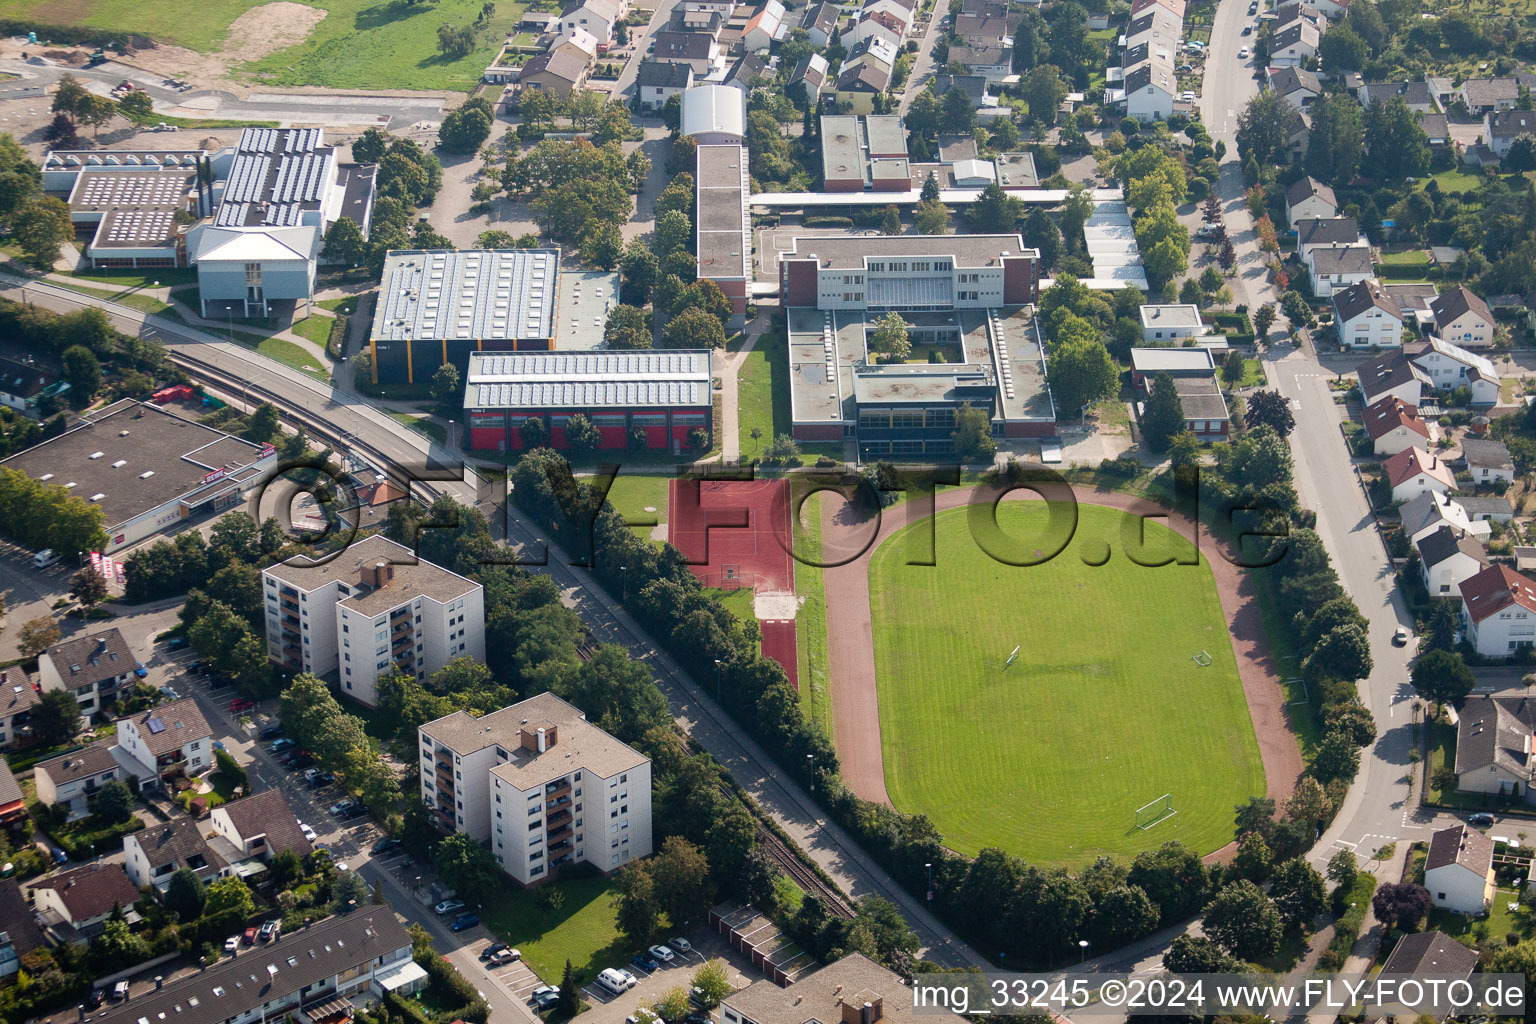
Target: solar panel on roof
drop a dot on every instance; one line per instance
(156, 725)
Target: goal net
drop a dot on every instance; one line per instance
(1202, 659)
(1150, 814)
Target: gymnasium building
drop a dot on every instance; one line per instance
(439, 306)
(665, 392)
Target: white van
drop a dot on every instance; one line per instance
(44, 558)
(613, 981)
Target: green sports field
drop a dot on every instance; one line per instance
(1103, 710)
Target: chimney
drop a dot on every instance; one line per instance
(159, 982)
(378, 574)
(540, 735)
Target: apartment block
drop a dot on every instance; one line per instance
(371, 609)
(541, 785)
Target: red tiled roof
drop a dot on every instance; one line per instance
(1410, 462)
(1496, 588)
(1389, 414)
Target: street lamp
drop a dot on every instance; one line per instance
(717, 680)
(929, 867)
(1082, 945)
(624, 584)
(450, 435)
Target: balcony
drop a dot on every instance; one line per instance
(559, 818)
(554, 848)
(290, 606)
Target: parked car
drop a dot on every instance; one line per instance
(195, 668)
(140, 671)
(94, 999)
(281, 745)
(697, 1018)
(490, 951)
(1243, 53)
(612, 982)
(309, 833)
(170, 693)
(271, 929)
(629, 979)
(681, 945)
(355, 811)
(240, 704)
(1247, 30)
(645, 962)
(1481, 820)
(544, 997)
(383, 846)
(120, 991)
(250, 936)
(506, 956)
(342, 807)
(1400, 637)
(232, 944)
(177, 642)
(271, 732)
(319, 779)
(58, 855)
(466, 921)
(448, 907)
(661, 953)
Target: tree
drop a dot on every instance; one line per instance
(61, 132)
(229, 896)
(37, 635)
(262, 427)
(114, 802)
(1521, 156)
(96, 111)
(635, 902)
(1342, 869)
(1344, 652)
(466, 865)
(455, 41)
(889, 338)
(674, 230)
(1342, 50)
(1308, 803)
(994, 209)
(1336, 757)
(1336, 143)
(932, 217)
(1263, 320)
(639, 267)
(83, 371)
(681, 875)
(1398, 146)
(1244, 921)
(446, 387)
(1255, 816)
(185, 895)
(568, 1004)
(1041, 232)
(1400, 905)
(1043, 90)
(88, 587)
(1081, 372)
(465, 129)
(1442, 677)
(890, 223)
(369, 147)
(1162, 414)
(1190, 955)
(137, 107)
(69, 95)
(930, 191)
(348, 892)
(673, 1005)
(344, 243)
(55, 717)
(582, 435)
(972, 435)
(1254, 859)
(1261, 128)
(705, 295)
(712, 982)
(1298, 892)
(694, 328)
(626, 327)
(41, 228)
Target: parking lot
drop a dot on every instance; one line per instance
(652, 985)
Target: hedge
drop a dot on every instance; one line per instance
(338, 338)
(82, 844)
(72, 34)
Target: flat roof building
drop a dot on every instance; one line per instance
(370, 610)
(663, 392)
(864, 153)
(712, 114)
(854, 990)
(917, 272)
(1170, 322)
(147, 468)
(723, 223)
(130, 216)
(541, 784)
(436, 306)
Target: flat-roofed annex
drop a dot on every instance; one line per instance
(837, 252)
(489, 295)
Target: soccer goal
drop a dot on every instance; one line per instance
(1202, 659)
(1150, 814)
(1013, 656)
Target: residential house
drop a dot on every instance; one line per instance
(74, 778)
(1451, 366)
(317, 974)
(1421, 954)
(1413, 300)
(658, 81)
(973, 86)
(1297, 127)
(17, 699)
(1309, 199)
(1437, 128)
(166, 742)
(1364, 317)
(1462, 318)
(260, 826)
(19, 933)
(1174, 7)
(1447, 558)
(1431, 512)
(1487, 461)
(1486, 509)
(1158, 29)
(153, 855)
(746, 73)
(859, 84)
(1393, 424)
(1502, 127)
(13, 804)
(1171, 321)
(989, 60)
(80, 901)
(898, 18)
(819, 23)
(93, 667)
(1332, 231)
(1205, 409)
(1333, 10)
(811, 74)
(1296, 85)
(1393, 375)
(764, 28)
(1498, 607)
(579, 43)
(558, 74)
(1493, 733)
(1294, 44)
(1150, 88)
(1413, 471)
(1483, 96)
(698, 50)
(598, 17)
(1298, 12)
(979, 27)
(1332, 268)
(1418, 95)
(852, 990)
(863, 30)
(1146, 363)
(23, 388)
(1458, 871)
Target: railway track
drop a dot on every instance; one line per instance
(804, 877)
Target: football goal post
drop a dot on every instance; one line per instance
(1150, 814)
(1202, 659)
(1013, 656)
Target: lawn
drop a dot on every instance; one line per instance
(1499, 922)
(167, 277)
(1458, 181)
(1406, 258)
(762, 393)
(633, 493)
(422, 425)
(583, 930)
(314, 328)
(1050, 759)
(738, 602)
(388, 44)
(811, 620)
(345, 304)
